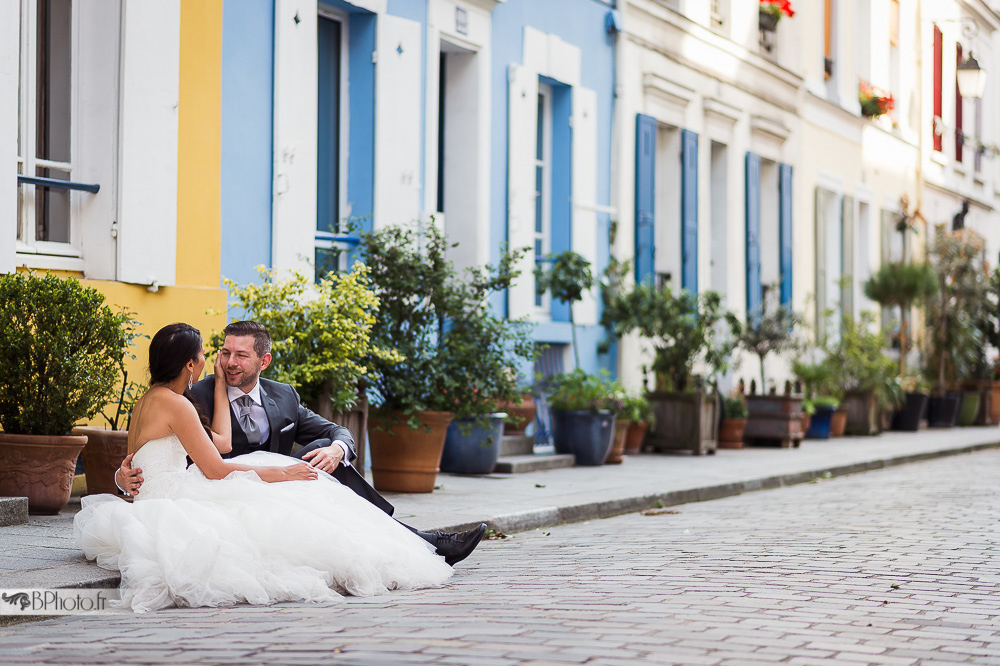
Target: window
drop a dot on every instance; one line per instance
(829, 34)
(936, 121)
(959, 136)
(329, 256)
(45, 127)
(543, 181)
(894, 22)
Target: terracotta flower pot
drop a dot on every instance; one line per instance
(406, 460)
(838, 423)
(521, 415)
(617, 443)
(633, 438)
(102, 456)
(40, 468)
(731, 433)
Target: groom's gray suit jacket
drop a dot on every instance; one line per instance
(291, 423)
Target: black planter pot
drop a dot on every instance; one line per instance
(908, 418)
(767, 22)
(942, 411)
(587, 435)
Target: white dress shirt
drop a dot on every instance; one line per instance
(259, 416)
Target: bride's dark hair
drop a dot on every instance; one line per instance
(169, 351)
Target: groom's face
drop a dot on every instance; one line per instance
(240, 361)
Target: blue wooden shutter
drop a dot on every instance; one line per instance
(753, 233)
(785, 231)
(689, 211)
(645, 196)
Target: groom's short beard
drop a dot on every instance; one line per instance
(248, 381)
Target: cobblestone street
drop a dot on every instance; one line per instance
(898, 566)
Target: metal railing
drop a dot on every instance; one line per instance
(55, 183)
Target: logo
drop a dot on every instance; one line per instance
(19, 598)
(56, 602)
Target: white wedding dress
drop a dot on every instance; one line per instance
(191, 541)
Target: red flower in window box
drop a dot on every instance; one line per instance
(875, 102)
(777, 8)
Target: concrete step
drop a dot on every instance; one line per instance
(13, 511)
(532, 463)
(517, 445)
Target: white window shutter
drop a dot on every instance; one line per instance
(293, 199)
(397, 121)
(147, 251)
(522, 114)
(584, 232)
(9, 62)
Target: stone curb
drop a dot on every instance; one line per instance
(551, 516)
(555, 515)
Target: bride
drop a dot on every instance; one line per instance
(259, 528)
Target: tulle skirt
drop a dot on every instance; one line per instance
(198, 542)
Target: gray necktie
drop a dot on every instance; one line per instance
(247, 423)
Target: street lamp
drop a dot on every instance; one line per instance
(971, 78)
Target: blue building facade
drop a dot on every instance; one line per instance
(493, 118)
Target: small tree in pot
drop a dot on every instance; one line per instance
(64, 350)
(955, 340)
(683, 328)
(769, 330)
(440, 322)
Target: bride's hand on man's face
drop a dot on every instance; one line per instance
(220, 373)
(300, 472)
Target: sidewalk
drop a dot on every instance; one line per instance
(43, 553)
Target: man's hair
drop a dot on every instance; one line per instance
(261, 338)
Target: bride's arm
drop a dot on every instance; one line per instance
(187, 426)
(222, 425)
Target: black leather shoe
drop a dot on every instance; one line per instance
(456, 546)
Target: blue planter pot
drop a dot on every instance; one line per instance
(587, 435)
(472, 446)
(819, 424)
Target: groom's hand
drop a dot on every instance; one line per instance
(325, 458)
(127, 477)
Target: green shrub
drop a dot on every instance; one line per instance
(457, 356)
(734, 407)
(578, 391)
(63, 352)
(321, 332)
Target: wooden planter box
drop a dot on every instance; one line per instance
(862, 414)
(774, 420)
(684, 422)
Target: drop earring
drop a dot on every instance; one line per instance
(190, 381)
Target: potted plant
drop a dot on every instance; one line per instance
(903, 284)
(520, 413)
(584, 408)
(817, 381)
(441, 324)
(682, 328)
(734, 422)
(638, 413)
(771, 12)
(321, 334)
(107, 447)
(955, 340)
(874, 101)
(866, 376)
(772, 418)
(63, 350)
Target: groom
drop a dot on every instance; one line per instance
(267, 416)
